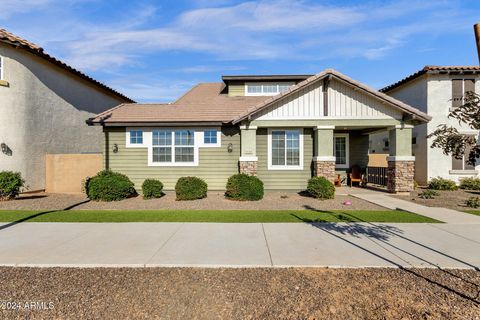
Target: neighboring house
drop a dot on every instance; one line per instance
(284, 129)
(43, 107)
(435, 91)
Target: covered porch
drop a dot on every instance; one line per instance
(285, 154)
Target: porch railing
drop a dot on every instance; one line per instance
(377, 175)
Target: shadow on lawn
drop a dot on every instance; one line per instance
(38, 214)
(380, 234)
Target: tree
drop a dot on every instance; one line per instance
(450, 140)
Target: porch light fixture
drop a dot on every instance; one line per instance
(4, 147)
(230, 148)
(115, 148)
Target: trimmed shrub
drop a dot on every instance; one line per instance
(428, 194)
(109, 186)
(473, 202)
(321, 188)
(442, 184)
(191, 188)
(152, 188)
(10, 184)
(470, 183)
(244, 187)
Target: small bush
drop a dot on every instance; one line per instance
(442, 184)
(244, 187)
(109, 186)
(191, 188)
(473, 202)
(470, 183)
(10, 184)
(428, 194)
(321, 188)
(152, 188)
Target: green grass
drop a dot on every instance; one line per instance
(212, 216)
(475, 212)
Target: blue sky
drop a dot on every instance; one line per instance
(155, 50)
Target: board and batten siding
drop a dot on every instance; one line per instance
(344, 102)
(283, 179)
(216, 165)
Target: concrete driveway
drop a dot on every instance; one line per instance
(236, 245)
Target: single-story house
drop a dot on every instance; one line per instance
(283, 129)
(43, 106)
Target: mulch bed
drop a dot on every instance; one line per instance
(447, 199)
(273, 200)
(267, 293)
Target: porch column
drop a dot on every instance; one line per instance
(324, 159)
(248, 150)
(401, 163)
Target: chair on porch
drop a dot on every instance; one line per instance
(355, 175)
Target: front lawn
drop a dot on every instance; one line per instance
(246, 216)
(475, 212)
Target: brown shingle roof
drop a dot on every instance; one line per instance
(432, 69)
(203, 103)
(11, 39)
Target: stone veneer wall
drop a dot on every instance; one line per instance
(400, 175)
(248, 167)
(324, 169)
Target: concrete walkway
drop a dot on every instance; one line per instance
(237, 245)
(441, 214)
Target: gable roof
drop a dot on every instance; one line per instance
(433, 70)
(203, 103)
(340, 76)
(13, 40)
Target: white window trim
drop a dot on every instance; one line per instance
(269, 153)
(202, 143)
(196, 136)
(347, 147)
(265, 84)
(135, 145)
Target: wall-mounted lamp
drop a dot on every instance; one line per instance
(230, 148)
(5, 149)
(115, 148)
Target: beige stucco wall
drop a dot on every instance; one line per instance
(43, 111)
(65, 173)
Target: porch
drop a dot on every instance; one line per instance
(284, 155)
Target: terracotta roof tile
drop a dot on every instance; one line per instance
(432, 69)
(10, 38)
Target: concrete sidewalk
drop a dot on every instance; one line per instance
(441, 214)
(237, 245)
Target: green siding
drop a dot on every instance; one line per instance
(236, 89)
(283, 179)
(216, 165)
(358, 152)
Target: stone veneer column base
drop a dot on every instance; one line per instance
(248, 167)
(400, 176)
(324, 169)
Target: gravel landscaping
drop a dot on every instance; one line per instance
(273, 200)
(196, 293)
(447, 199)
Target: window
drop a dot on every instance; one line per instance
(136, 137)
(285, 149)
(266, 89)
(459, 88)
(462, 163)
(210, 136)
(341, 150)
(170, 146)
